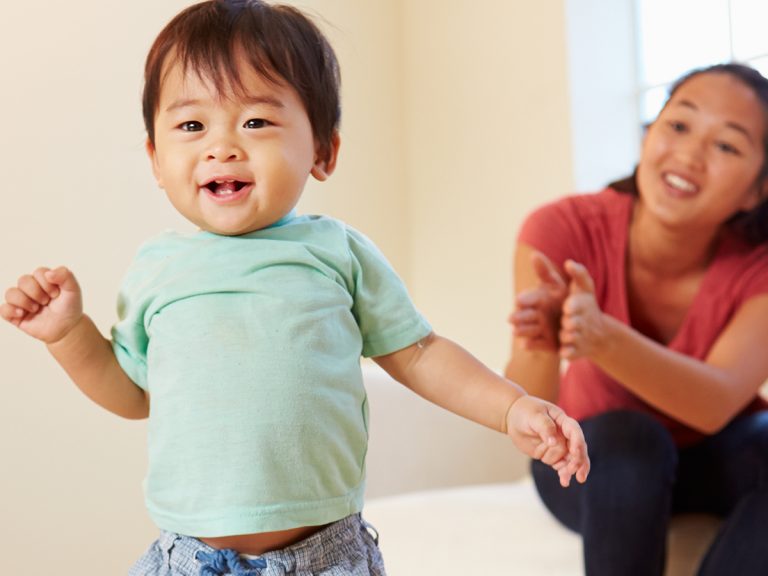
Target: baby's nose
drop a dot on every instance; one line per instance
(224, 149)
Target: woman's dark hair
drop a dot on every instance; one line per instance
(753, 225)
(279, 42)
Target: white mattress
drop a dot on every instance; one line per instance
(498, 529)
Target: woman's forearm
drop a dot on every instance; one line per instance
(538, 371)
(694, 392)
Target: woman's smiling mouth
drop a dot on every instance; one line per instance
(680, 186)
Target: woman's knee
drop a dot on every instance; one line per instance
(630, 447)
(625, 430)
(743, 444)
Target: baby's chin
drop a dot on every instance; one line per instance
(232, 233)
(235, 230)
(238, 222)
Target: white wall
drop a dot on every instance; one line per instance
(602, 77)
(455, 125)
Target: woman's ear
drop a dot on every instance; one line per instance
(152, 153)
(325, 158)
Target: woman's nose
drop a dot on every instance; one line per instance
(692, 151)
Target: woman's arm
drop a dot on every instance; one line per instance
(705, 395)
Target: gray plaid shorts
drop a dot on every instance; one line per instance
(345, 548)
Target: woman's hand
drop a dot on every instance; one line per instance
(536, 319)
(583, 326)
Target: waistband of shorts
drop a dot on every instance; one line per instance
(331, 540)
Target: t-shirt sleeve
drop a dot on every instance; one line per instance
(553, 229)
(385, 314)
(129, 336)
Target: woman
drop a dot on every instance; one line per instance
(653, 296)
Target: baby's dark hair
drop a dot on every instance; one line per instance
(752, 225)
(279, 42)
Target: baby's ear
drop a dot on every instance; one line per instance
(152, 153)
(325, 158)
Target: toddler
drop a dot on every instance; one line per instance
(242, 341)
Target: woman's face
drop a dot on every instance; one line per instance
(701, 157)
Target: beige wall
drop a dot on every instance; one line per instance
(488, 139)
(455, 125)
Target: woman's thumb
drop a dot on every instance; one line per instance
(581, 281)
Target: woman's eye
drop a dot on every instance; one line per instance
(255, 123)
(677, 126)
(191, 126)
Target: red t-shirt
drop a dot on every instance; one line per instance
(593, 229)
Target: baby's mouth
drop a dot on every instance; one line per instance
(225, 187)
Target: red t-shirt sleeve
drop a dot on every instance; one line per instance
(554, 229)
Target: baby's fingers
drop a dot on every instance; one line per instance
(545, 428)
(578, 457)
(578, 462)
(63, 278)
(565, 476)
(41, 275)
(555, 454)
(583, 471)
(30, 285)
(11, 313)
(563, 471)
(19, 299)
(569, 468)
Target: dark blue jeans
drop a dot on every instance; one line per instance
(639, 478)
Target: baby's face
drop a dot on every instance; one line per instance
(232, 164)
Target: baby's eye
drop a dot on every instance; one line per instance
(191, 126)
(255, 123)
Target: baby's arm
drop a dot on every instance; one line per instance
(47, 305)
(446, 374)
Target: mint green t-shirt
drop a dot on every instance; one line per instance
(249, 347)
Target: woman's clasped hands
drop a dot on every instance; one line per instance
(561, 313)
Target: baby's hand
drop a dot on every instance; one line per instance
(46, 304)
(544, 432)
